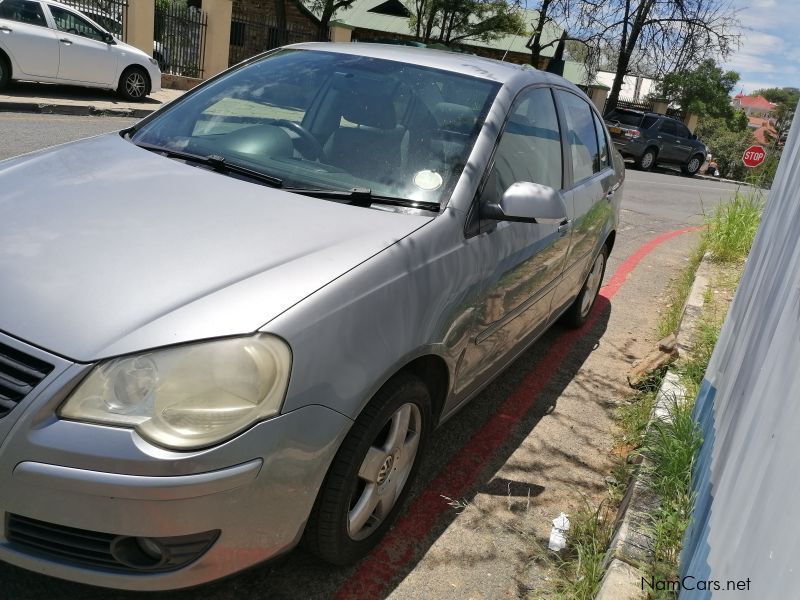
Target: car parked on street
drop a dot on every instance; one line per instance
(51, 42)
(651, 138)
(236, 325)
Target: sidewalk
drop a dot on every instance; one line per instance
(46, 98)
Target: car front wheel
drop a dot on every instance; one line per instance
(134, 84)
(371, 473)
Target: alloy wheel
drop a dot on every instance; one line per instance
(693, 165)
(384, 471)
(647, 160)
(592, 284)
(135, 84)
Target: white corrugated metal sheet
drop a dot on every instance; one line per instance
(746, 520)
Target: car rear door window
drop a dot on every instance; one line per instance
(581, 135)
(602, 156)
(649, 121)
(23, 11)
(669, 128)
(530, 147)
(682, 131)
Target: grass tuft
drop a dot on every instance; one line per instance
(732, 226)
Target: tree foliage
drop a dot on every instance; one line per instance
(326, 9)
(661, 36)
(704, 90)
(453, 21)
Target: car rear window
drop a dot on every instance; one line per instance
(623, 117)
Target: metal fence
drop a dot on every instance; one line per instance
(111, 15)
(254, 34)
(180, 39)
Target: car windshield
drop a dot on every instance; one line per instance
(324, 120)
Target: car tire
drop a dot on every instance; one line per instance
(5, 71)
(134, 84)
(578, 312)
(647, 160)
(691, 168)
(371, 473)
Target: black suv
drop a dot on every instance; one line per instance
(650, 138)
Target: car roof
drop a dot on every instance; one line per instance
(467, 64)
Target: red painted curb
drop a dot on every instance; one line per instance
(378, 569)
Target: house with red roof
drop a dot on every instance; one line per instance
(754, 106)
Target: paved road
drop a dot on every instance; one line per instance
(531, 445)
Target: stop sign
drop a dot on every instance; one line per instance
(754, 156)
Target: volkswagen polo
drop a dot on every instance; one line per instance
(235, 326)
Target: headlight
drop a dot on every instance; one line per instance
(190, 396)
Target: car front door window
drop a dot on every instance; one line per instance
(69, 22)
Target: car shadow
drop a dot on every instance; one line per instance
(56, 91)
(301, 575)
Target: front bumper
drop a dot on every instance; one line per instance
(256, 490)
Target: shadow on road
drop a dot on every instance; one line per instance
(52, 91)
(300, 575)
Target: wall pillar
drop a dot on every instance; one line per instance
(691, 121)
(141, 15)
(341, 33)
(660, 106)
(218, 36)
(599, 96)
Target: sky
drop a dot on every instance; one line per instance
(769, 55)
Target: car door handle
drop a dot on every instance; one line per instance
(65, 41)
(609, 195)
(5, 29)
(563, 227)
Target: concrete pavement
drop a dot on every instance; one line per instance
(46, 98)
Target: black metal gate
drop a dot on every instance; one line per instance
(180, 38)
(111, 15)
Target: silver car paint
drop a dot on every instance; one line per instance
(357, 293)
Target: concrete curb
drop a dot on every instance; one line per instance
(81, 110)
(632, 545)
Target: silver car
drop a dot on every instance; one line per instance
(236, 325)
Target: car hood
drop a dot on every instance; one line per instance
(106, 249)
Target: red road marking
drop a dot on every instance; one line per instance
(377, 571)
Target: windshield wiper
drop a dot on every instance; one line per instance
(217, 163)
(365, 197)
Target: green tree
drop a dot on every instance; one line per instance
(453, 21)
(326, 9)
(661, 36)
(704, 90)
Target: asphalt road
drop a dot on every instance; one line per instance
(553, 450)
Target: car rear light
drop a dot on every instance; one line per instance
(631, 133)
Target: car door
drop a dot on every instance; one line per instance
(683, 143)
(27, 39)
(521, 262)
(590, 190)
(84, 55)
(668, 141)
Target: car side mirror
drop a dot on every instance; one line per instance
(109, 39)
(528, 202)
(692, 136)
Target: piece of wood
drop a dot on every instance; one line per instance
(655, 360)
